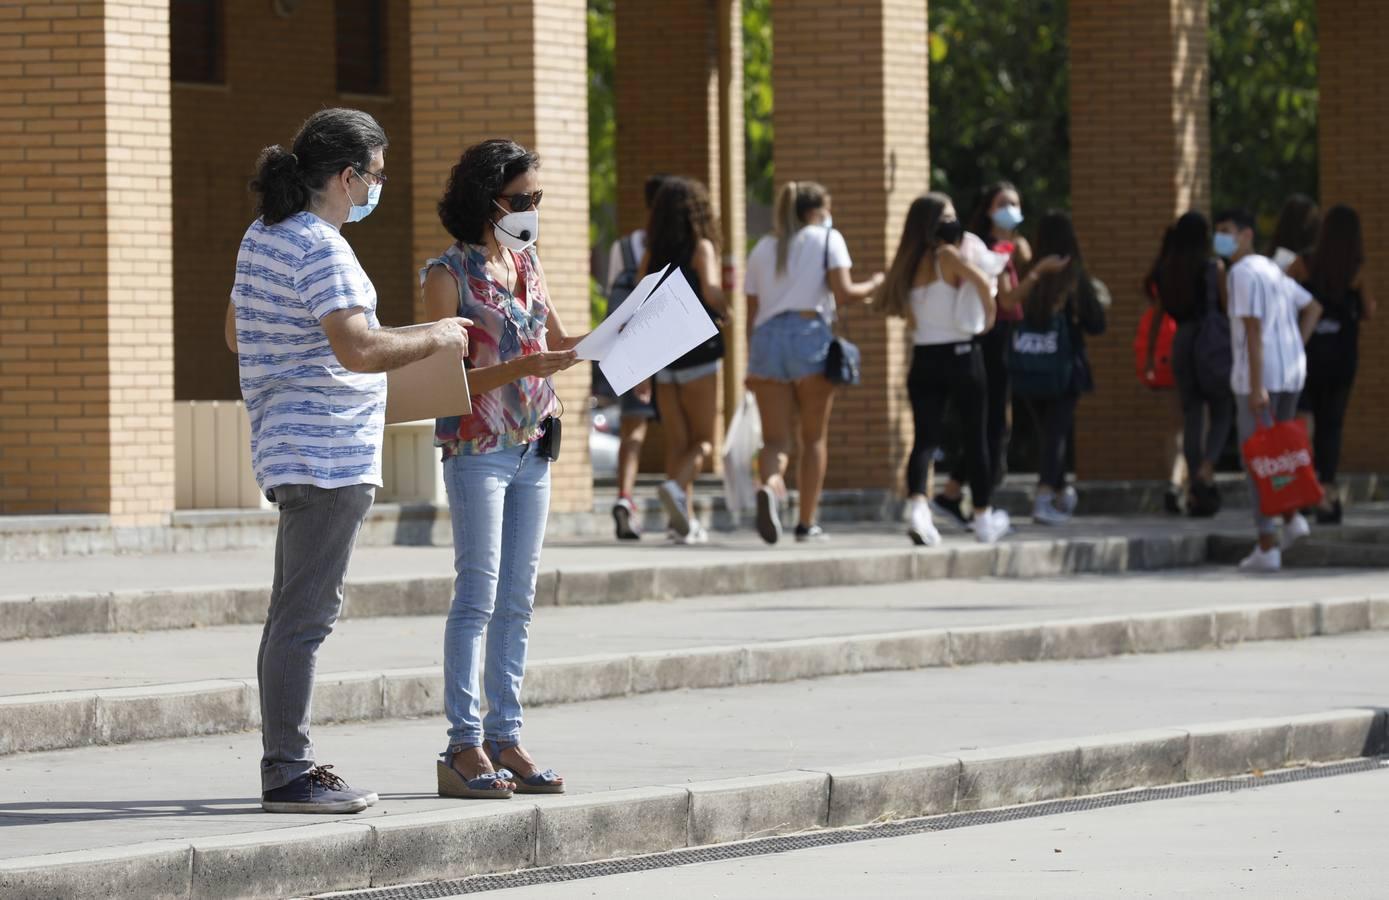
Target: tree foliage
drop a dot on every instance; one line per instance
(998, 89)
(1263, 103)
(757, 99)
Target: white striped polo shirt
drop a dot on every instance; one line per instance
(1261, 290)
(312, 421)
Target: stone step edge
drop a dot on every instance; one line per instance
(133, 611)
(448, 844)
(68, 719)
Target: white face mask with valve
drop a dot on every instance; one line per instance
(517, 230)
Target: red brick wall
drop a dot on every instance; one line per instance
(1140, 156)
(850, 112)
(278, 71)
(1353, 111)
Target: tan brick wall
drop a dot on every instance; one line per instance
(85, 351)
(530, 56)
(1354, 108)
(278, 71)
(1140, 156)
(850, 112)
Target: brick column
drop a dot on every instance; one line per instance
(86, 326)
(851, 112)
(679, 106)
(1140, 157)
(531, 56)
(1353, 109)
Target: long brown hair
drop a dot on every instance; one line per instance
(893, 298)
(1297, 226)
(1056, 236)
(681, 216)
(1182, 269)
(1339, 254)
(795, 201)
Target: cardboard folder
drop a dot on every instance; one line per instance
(432, 388)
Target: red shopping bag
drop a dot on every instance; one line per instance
(1279, 459)
(1162, 350)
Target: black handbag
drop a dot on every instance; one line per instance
(843, 361)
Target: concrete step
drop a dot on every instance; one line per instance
(179, 818)
(393, 524)
(74, 692)
(116, 594)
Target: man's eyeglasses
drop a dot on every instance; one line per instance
(523, 202)
(379, 177)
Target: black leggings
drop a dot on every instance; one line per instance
(949, 374)
(1326, 399)
(1057, 415)
(1203, 433)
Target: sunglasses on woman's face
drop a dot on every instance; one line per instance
(523, 202)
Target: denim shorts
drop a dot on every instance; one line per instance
(685, 376)
(789, 347)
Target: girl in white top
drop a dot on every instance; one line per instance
(946, 301)
(795, 278)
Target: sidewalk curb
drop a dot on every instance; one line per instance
(162, 610)
(435, 845)
(62, 720)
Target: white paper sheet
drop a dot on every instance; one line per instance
(657, 324)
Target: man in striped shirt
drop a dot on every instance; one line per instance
(312, 355)
(1271, 319)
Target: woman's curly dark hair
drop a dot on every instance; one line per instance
(481, 173)
(680, 217)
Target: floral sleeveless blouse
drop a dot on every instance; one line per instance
(504, 327)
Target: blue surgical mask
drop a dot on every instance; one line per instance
(1225, 244)
(358, 213)
(1007, 217)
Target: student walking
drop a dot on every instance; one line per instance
(1190, 285)
(1271, 318)
(796, 277)
(1049, 363)
(496, 460)
(938, 293)
(302, 321)
(995, 220)
(637, 406)
(684, 232)
(1335, 279)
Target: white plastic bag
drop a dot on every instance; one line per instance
(740, 449)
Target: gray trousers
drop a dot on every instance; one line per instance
(1282, 407)
(318, 527)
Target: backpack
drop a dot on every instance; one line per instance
(623, 285)
(1042, 361)
(1214, 357)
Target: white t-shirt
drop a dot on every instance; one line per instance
(312, 421)
(1259, 289)
(803, 286)
(615, 258)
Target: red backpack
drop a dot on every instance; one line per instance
(1162, 351)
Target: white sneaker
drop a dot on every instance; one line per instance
(698, 534)
(1067, 500)
(673, 499)
(920, 528)
(1295, 530)
(990, 527)
(1262, 561)
(1045, 512)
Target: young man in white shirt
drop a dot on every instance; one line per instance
(1271, 319)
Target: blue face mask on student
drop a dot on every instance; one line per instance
(1225, 245)
(358, 213)
(1007, 217)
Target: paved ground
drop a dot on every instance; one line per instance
(91, 661)
(115, 795)
(1322, 838)
(254, 567)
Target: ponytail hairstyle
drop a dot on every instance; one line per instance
(795, 201)
(919, 239)
(329, 141)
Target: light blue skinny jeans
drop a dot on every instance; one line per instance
(499, 502)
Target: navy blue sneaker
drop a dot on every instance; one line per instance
(317, 791)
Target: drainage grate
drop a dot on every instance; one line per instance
(765, 846)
